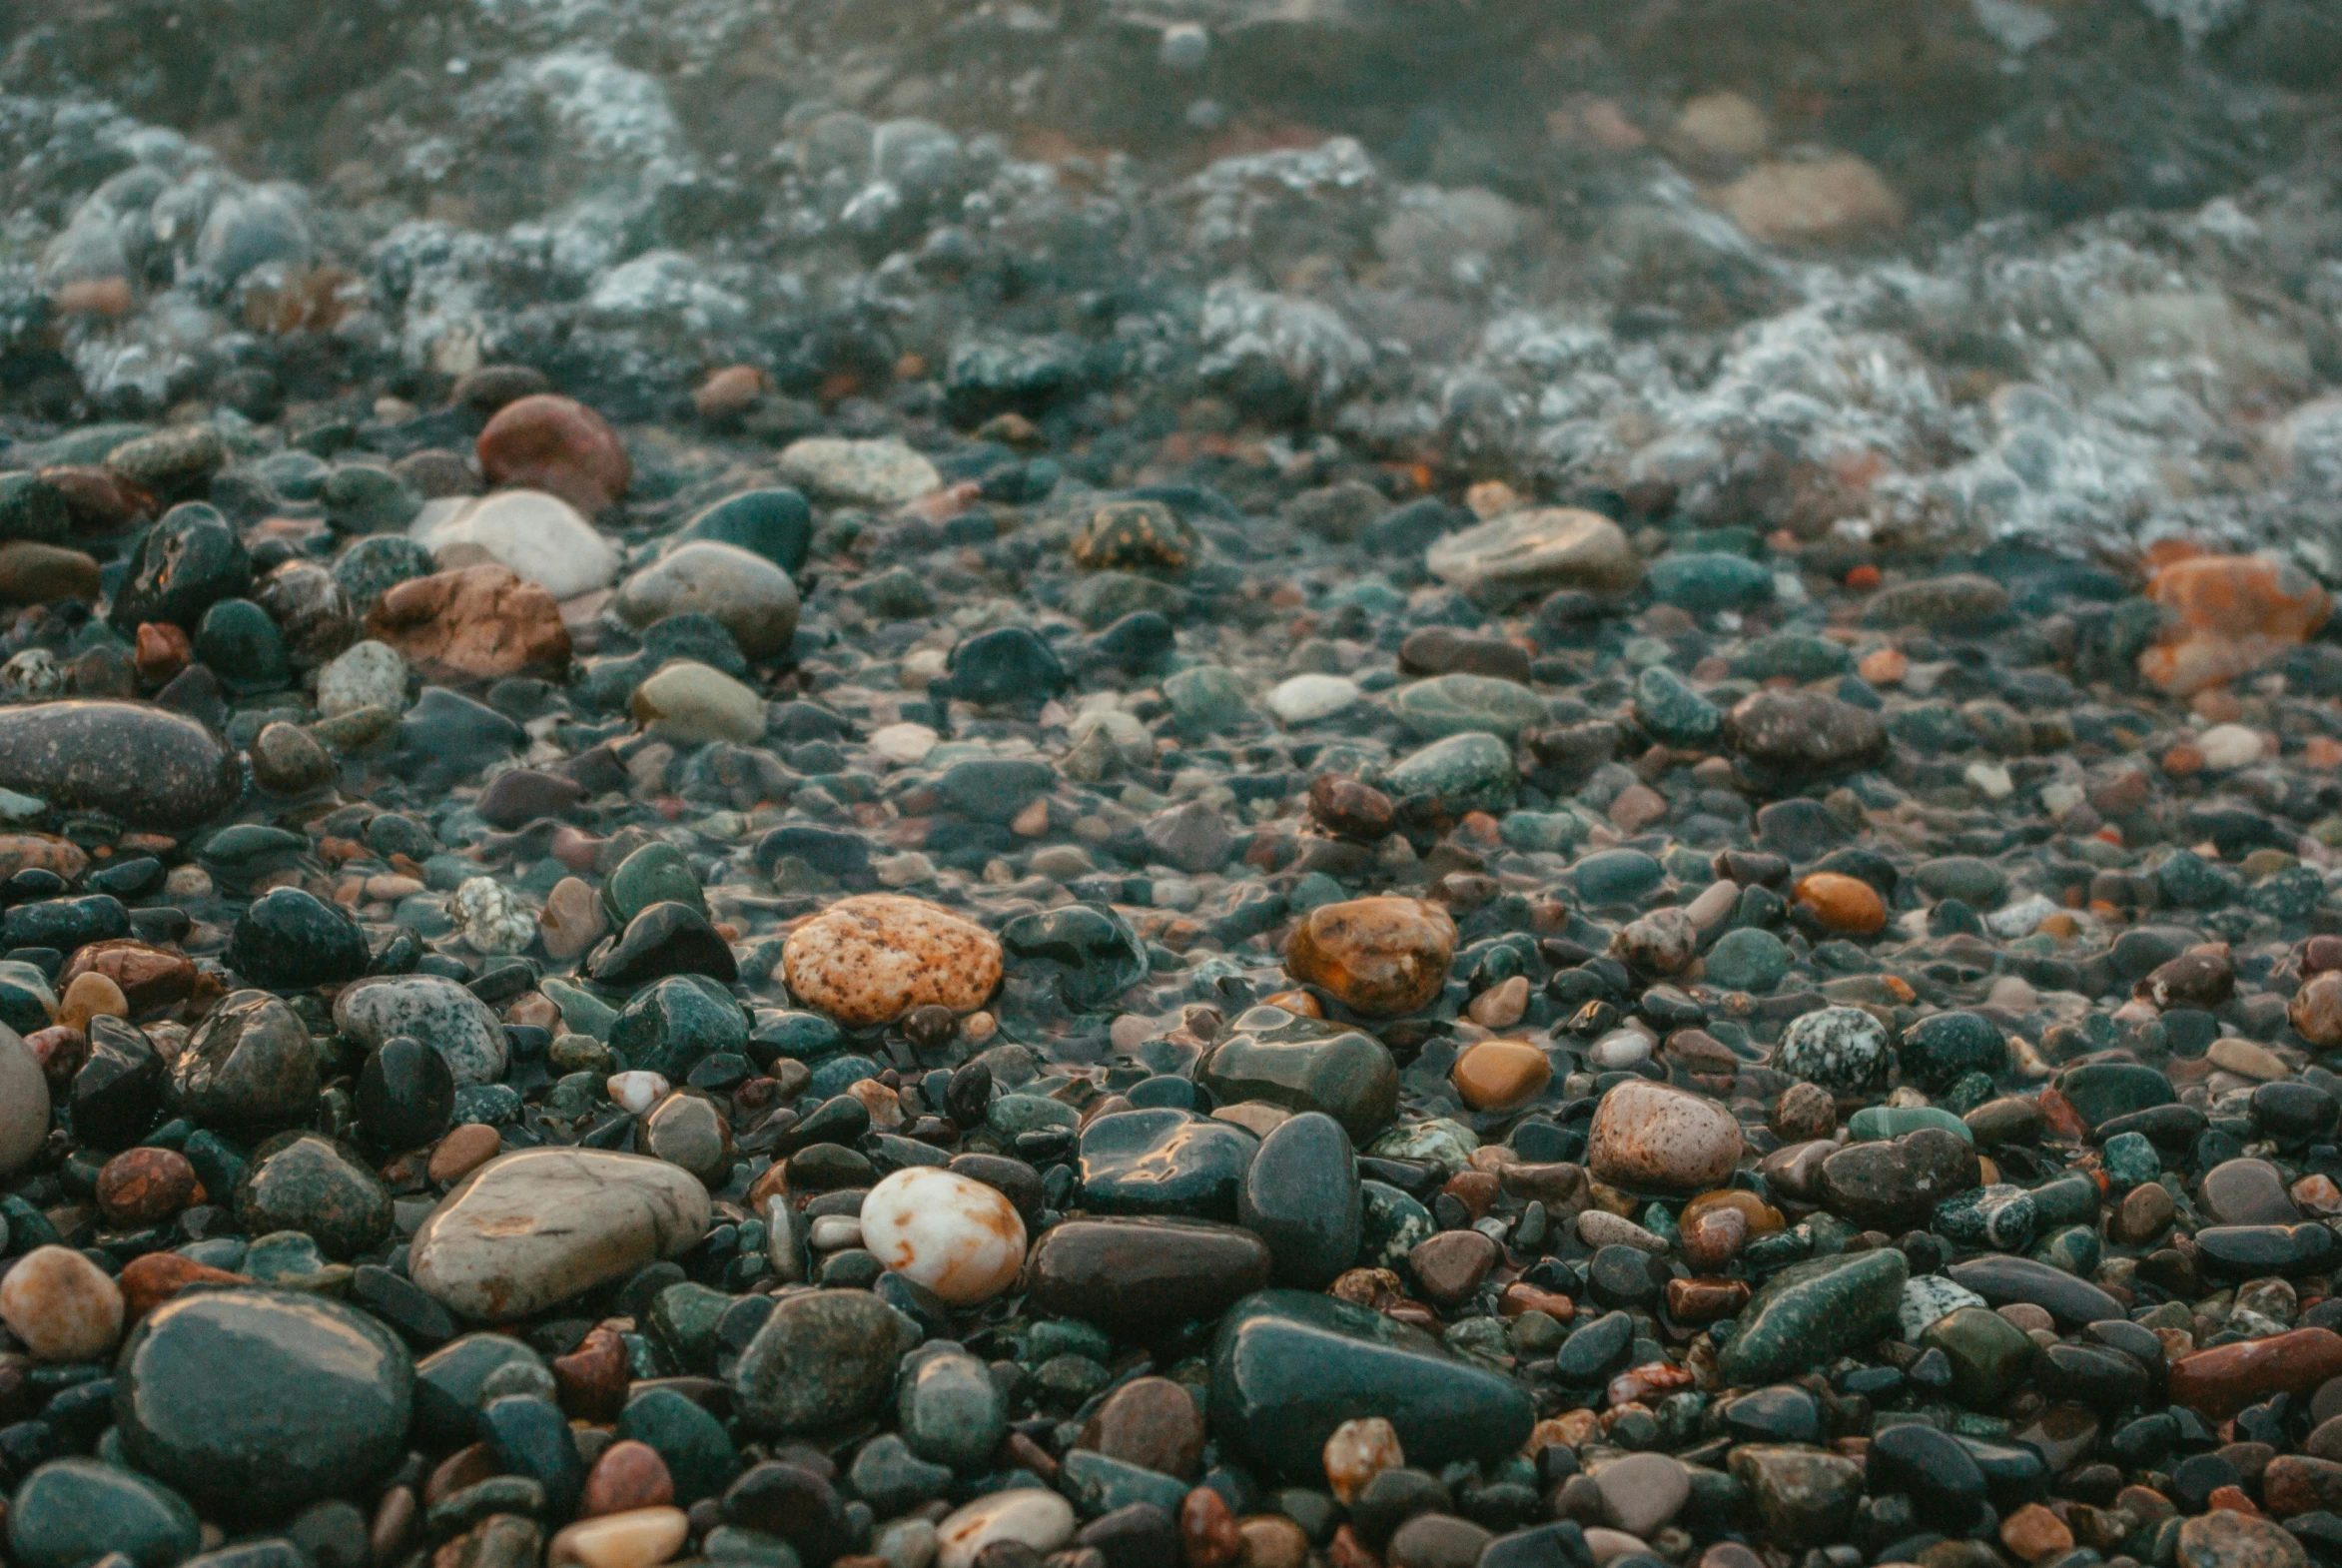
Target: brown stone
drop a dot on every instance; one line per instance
(1151, 1422)
(2203, 976)
(557, 445)
(60, 1050)
(2296, 1483)
(1714, 1240)
(40, 573)
(1351, 809)
(1498, 1074)
(592, 1379)
(151, 980)
(90, 994)
(628, 1475)
(730, 393)
(465, 1467)
(1804, 1112)
(2316, 1010)
(1379, 957)
(1271, 1540)
(463, 1151)
(1703, 1300)
(2145, 1212)
(479, 623)
(143, 1187)
(2219, 1381)
(98, 501)
(1450, 1266)
(1442, 650)
(1208, 1537)
(2033, 1532)
(152, 1278)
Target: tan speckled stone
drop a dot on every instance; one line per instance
(873, 958)
(1653, 1137)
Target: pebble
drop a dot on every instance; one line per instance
(1376, 956)
(540, 539)
(742, 591)
(59, 1306)
(872, 958)
(533, 1228)
(959, 1239)
(549, 443)
(860, 473)
(690, 704)
(1038, 1521)
(1653, 1137)
(475, 624)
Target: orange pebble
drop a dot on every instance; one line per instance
(2185, 760)
(2322, 753)
(1883, 666)
(1842, 903)
(1862, 578)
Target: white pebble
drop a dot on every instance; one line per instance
(2227, 747)
(836, 1232)
(959, 1239)
(636, 1093)
(904, 744)
(1989, 779)
(1027, 1515)
(1306, 698)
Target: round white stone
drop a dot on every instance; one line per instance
(959, 1239)
(740, 590)
(2227, 747)
(1028, 1515)
(541, 537)
(1304, 699)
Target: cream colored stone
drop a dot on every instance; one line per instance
(61, 1306)
(959, 1239)
(637, 1538)
(537, 1226)
(1026, 1516)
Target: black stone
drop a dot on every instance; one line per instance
(184, 565)
(665, 939)
(289, 940)
(118, 1091)
(405, 1095)
(1092, 952)
(1300, 1195)
(1164, 1163)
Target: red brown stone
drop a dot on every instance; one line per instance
(558, 444)
(1151, 1422)
(153, 980)
(152, 1278)
(628, 1475)
(592, 1379)
(60, 1050)
(142, 1187)
(478, 623)
(2219, 1381)
(1208, 1537)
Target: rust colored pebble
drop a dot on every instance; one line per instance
(60, 1050)
(554, 443)
(628, 1475)
(152, 1278)
(465, 1467)
(141, 1186)
(1842, 903)
(1208, 1537)
(1151, 1422)
(162, 651)
(592, 1379)
(152, 980)
(2033, 1532)
(393, 1523)
(2219, 1381)
(463, 1151)
(729, 393)
(1704, 1301)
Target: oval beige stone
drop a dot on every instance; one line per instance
(1528, 552)
(1653, 1137)
(872, 958)
(537, 1226)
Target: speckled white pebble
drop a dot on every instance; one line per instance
(1027, 1515)
(1306, 698)
(959, 1239)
